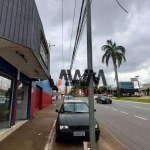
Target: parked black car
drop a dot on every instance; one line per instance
(73, 122)
(103, 100)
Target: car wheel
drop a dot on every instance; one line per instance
(101, 102)
(57, 139)
(110, 102)
(97, 138)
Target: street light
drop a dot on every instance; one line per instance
(49, 47)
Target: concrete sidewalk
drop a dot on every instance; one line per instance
(33, 135)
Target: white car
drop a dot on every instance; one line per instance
(68, 97)
(96, 95)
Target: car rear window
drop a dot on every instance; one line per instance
(74, 108)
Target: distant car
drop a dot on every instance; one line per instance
(104, 100)
(96, 95)
(73, 122)
(137, 94)
(68, 97)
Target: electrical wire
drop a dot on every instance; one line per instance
(121, 6)
(62, 36)
(72, 31)
(78, 34)
(82, 20)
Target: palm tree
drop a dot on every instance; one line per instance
(85, 79)
(117, 54)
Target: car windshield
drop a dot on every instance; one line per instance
(74, 108)
(68, 98)
(104, 97)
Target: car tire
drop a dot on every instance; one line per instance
(97, 138)
(57, 139)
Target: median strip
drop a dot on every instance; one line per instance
(140, 117)
(124, 112)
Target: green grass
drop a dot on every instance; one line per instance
(132, 99)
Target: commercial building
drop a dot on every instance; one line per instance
(128, 88)
(25, 81)
(145, 89)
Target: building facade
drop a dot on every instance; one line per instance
(128, 88)
(126, 85)
(25, 84)
(145, 89)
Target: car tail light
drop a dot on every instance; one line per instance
(57, 127)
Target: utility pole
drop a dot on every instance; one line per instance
(90, 86)
(66, 83)
(49, 47)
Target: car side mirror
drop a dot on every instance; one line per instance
(94, 109)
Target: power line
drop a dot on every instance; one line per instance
(72, 30)
(62, 36)
(78, 34)
(121, 6)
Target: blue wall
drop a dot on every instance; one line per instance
(126, 85)
(45, 85)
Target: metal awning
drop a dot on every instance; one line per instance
(22, 58)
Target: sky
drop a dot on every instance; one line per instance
(109, 21)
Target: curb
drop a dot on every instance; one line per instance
(50, 138)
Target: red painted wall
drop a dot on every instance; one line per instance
(39, 101)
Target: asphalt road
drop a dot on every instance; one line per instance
(129, 122)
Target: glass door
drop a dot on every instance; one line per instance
(6, 89)
(22, 100)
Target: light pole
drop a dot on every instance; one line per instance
(49, 47)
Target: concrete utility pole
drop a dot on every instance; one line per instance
(66, 84)
(49, 47)
(90, 87)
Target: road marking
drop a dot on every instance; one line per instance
(141, 108)
(114, 109)
(106, 107)
(140, 117)
(124, 112)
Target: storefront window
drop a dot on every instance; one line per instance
(6, 88)
(22, 101)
